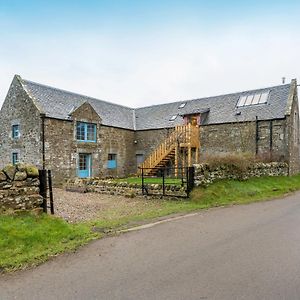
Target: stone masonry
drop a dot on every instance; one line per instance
(205, 174)
(19, 188)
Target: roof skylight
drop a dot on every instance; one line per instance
(253, 99)
(173, 118)
(182, 105)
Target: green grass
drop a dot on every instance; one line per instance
(150, 180)
(227, 192)
(27, 239)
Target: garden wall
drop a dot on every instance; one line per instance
(205, 174)
(121, 188)
(19, 188)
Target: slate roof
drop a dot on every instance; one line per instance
(58, 103)
(222, 109)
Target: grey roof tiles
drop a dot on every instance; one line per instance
(58, 103)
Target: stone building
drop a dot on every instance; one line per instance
(75, 135)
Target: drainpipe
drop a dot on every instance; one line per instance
(271, 140)
(43, 139)
(256, 135)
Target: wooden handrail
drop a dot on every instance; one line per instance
(186, 135)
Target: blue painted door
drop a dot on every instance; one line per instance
(85, 165)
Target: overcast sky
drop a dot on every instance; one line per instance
(139, 53)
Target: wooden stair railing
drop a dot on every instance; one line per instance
(184, 136)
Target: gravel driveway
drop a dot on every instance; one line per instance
(76, 207)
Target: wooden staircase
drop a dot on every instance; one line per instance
(183, 137)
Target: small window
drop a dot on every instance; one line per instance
(182, 105)
(255, 99)
(173, 118)
(242, 101)
(112, 161)
(249, 100)
(15, 158)
(15, 131)
(263, 98)
(86, 132)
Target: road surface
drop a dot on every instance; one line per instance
(240, 252)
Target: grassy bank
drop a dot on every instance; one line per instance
(28, 239)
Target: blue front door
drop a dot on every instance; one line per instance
(85, 165)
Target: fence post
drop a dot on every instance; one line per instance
(163, 180)
(143, 181)
(43, 188)
(50, 192)
(190, 179)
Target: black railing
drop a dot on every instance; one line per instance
(176, 177)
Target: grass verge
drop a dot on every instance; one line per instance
(27, 239)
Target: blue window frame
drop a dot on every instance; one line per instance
(112, 161)
(86, 132)
(15, 158)
(15, 131)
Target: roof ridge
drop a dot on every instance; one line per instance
(72, 93)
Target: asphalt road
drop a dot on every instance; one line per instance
(241, 252)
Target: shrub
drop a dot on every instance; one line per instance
(237, 164)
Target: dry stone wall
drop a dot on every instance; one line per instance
(19, 188)
(205, 174)
(112, 187)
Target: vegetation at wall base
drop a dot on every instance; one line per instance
(29, 239)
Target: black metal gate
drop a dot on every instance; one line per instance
(45, 189)
(168, 179)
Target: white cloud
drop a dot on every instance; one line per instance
(162, 66)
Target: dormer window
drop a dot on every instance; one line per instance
(173, 118)
(253, 99)
(182, 105)
(86, 132)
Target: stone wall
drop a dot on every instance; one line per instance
(271, 143)
(19, 188)
(122, 188)
(293, 132)
(205, 175)
(19, 109)
(241, 137)
(62, 149)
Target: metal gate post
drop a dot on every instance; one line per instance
(143, 181)
(190, 180)
(163, 181)
(50, 192)
(43, 188)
